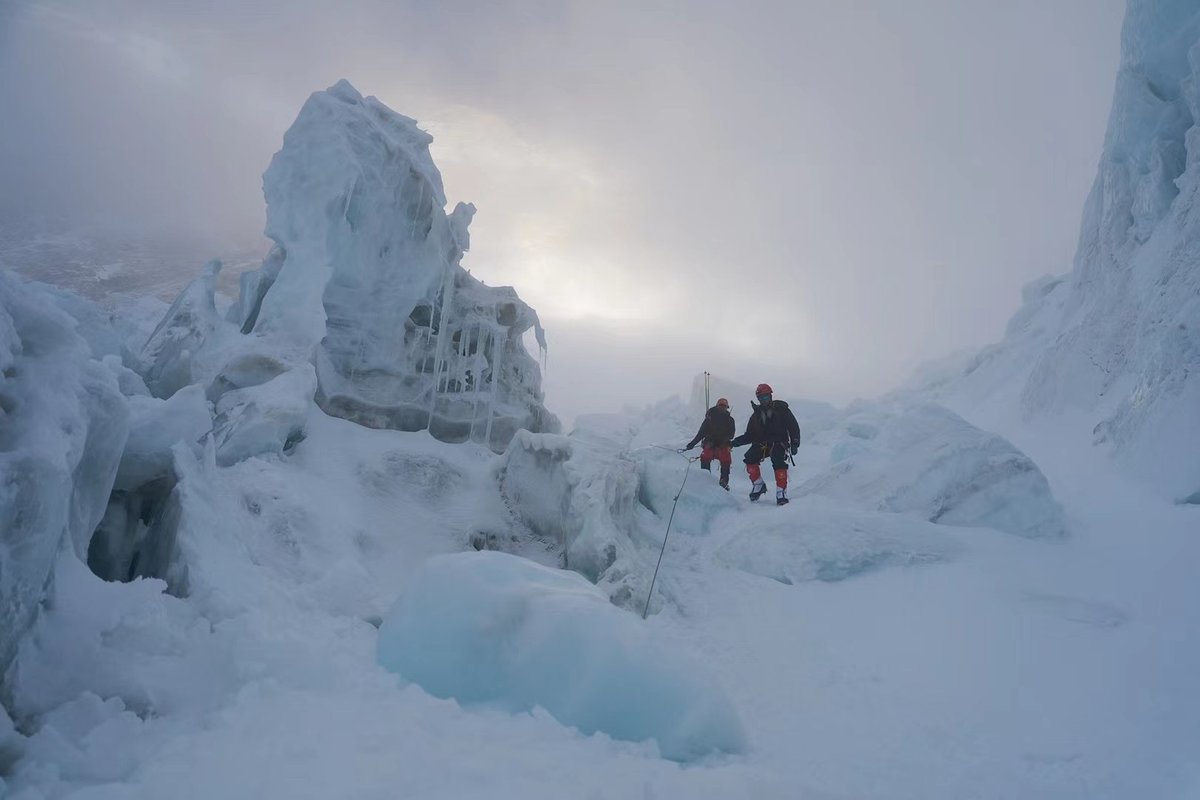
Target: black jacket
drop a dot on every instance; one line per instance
(717, 427)
(770, 423)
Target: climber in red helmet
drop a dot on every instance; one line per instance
(771, 431)
(715, 433)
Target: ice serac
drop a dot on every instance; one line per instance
(604, 494)
(63, 425)
(170, 353)
(365, 280)
(581, 494)
(927, 461)
(1119, 338)
(1131, 329)
(267, 418)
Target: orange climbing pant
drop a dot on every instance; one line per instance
(721, 453)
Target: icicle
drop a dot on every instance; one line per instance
(443, 332)
(495, 387)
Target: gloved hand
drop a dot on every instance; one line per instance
(795, 447)
(691, 446)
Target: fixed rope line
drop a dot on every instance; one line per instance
(687, 471)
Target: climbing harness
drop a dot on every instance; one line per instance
(670, 519)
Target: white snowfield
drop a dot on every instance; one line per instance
(314, 547)
(819, 649)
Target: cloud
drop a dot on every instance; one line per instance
(145, 51)
(551, 218)
(831, 190)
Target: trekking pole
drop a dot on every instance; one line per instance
(687, 471)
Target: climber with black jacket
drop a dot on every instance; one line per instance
(771, 431)
(715, 433)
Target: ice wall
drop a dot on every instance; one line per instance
(1119, 337)
(1131, 326)
(365, 280)
(63, 426)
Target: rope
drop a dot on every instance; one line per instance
(687, 471)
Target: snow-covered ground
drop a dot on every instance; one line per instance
(326, 540)
(889, 657)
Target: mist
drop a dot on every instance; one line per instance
(818, 195)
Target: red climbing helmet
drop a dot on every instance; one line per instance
(722, 403)
(763, 388)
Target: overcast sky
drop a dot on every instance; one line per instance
(815, 194)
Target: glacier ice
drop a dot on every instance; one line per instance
(581, 494)
(155, 427)
(925, 459)
(63, 424)
(1129, 345)
(365, 282)
(265, 418)
(496, 629)
(534, 483)
(134, 521)
(244, 370)
(1117, 340)
(602, 498)
(182, 335)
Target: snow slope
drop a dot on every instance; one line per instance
(1114, 346)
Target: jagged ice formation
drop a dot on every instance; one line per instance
(365, 279)
(1119, 337)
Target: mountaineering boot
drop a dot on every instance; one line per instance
(780, 497)
(758, 490)
(724, 482)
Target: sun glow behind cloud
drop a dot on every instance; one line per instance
(552, 219)
(817, 188)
